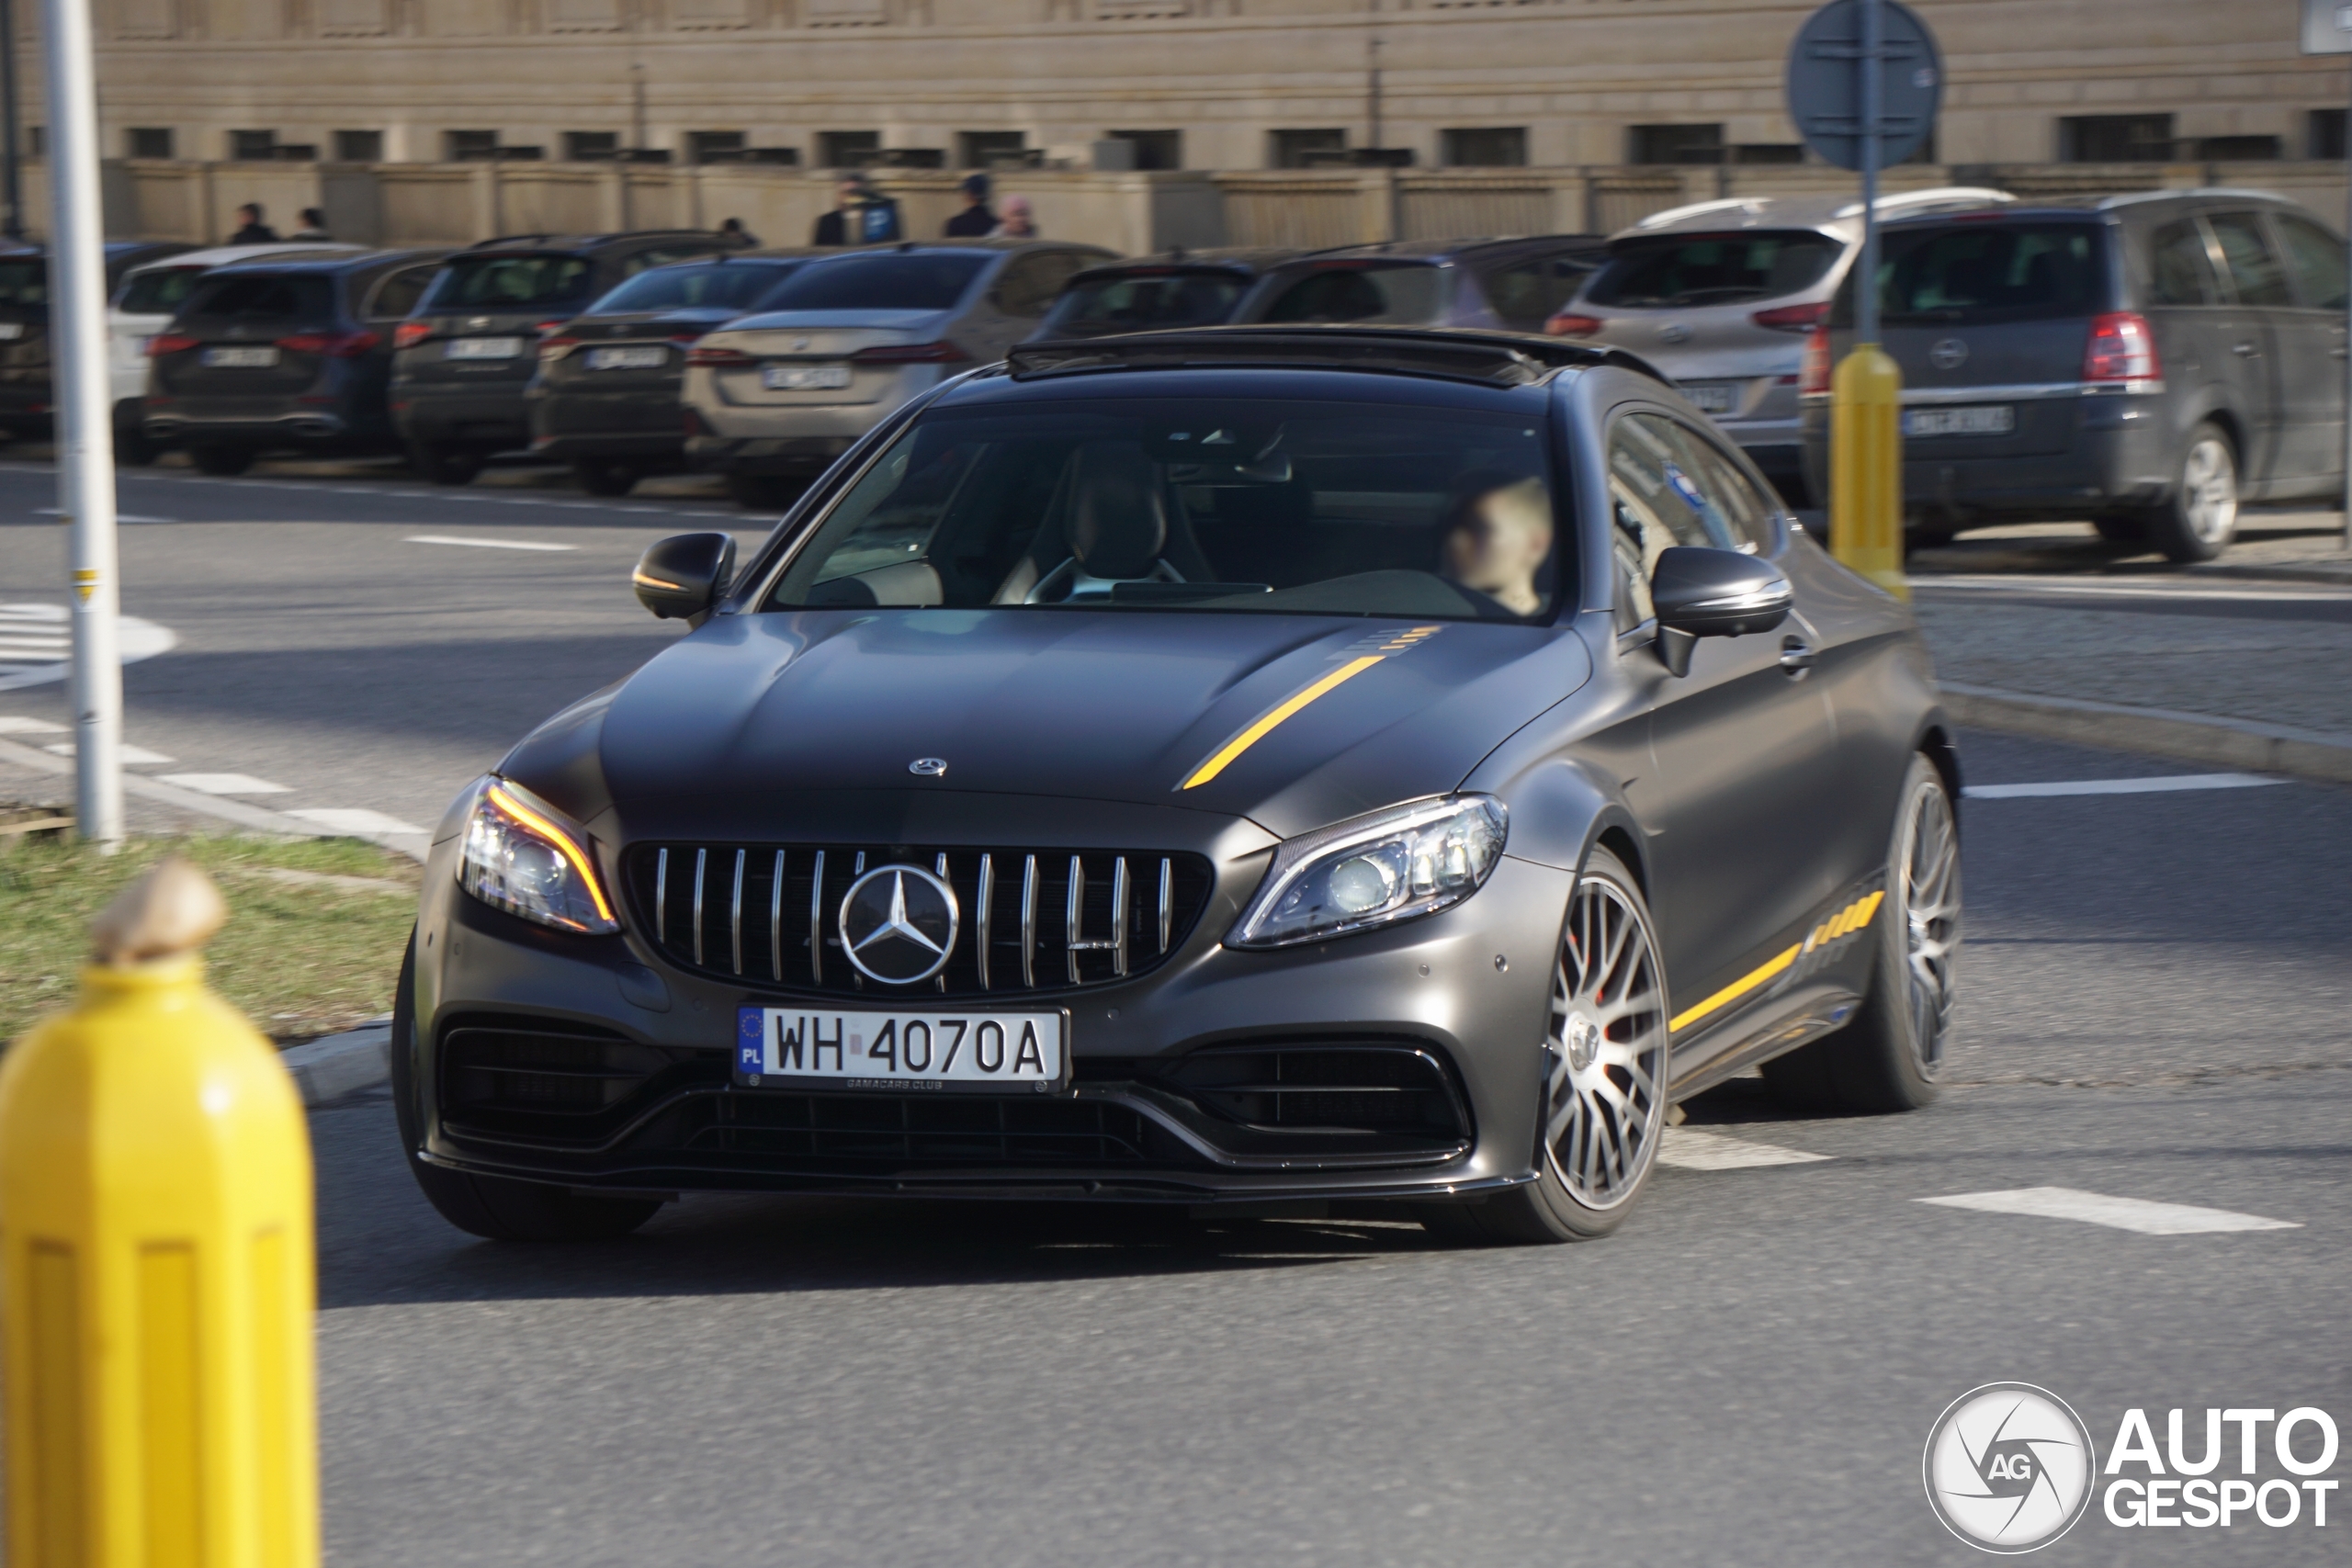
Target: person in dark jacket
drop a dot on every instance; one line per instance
(864, 216)
(735, 234)
(251, 230)
(315, 226)
(976, 222)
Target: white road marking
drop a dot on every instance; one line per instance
(224, 784)
(2122, 1214)
(132, 756)
(2163, 785)
(2166, 588)
(1713, 1151)
(355, 819)
(36, 645)
(15, 724)
(484, 544)
(119, 516)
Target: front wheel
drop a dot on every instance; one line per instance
(1601, 1109)
(2198, 521)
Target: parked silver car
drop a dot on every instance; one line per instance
(773, 398)
(1720, 295)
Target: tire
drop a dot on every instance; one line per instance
(497, 1208)
(763, 493)
(2121, 530)
(1888, 1058)
(1601, 1102)
(606, 478)
(2199, 518)
(445, 464)
(134, 450)
(224, 461)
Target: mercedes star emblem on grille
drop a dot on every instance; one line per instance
(929, 767)
(897, 924)
(1948, 354)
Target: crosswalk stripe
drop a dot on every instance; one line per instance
(1711, 1151)
(2122, 1214)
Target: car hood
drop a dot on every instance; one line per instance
(874, 321)
(1316, 719)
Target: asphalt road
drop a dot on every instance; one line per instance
(2156, 989)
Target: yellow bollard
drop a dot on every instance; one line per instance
(156, 1276)
(1866, 466)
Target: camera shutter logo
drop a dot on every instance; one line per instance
(2010, 1467)
(899, 924)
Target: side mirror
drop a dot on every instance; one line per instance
(1708, 592)
(679, 578)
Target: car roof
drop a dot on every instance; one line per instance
(1472, 355)
(223, 255)
(1830, 212)
(534, 243)
(1250, 259)
(356, 260)
(1467, 252)
(804, 252)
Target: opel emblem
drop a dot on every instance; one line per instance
(800, 345)
(899, 924)
(929, 767)
(1948, 354)
(477, 320)
(1674, 331)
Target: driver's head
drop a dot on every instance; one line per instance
(1496, 539)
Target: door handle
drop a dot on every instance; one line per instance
(1796, 656)
(2243, 350)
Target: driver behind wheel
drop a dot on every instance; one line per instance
(1497, 538)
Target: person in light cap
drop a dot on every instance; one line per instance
(1016, 219)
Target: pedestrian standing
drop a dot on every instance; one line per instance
(976, 222)
(314, 225)
(251, 230)
(861, 216)
(734, 234)
(1016, 219)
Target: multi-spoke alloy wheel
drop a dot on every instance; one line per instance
(2199, 518)
(1604, 1095)
(1927, 881)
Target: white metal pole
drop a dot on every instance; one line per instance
(77, 285)
(2348, 318)
(1872, 84)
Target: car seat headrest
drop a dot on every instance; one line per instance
(1118, 520)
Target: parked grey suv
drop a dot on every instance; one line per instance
(2146, 363)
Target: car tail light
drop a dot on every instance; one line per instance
(2122, 349)
(1793, 318)
(553, 348)
(169, 343)
(1813, 374)
(330, 345)
(1568, 324)
(695, 423)
(941, 353)
(685, 337)
(408, 334)
(725, 358)
(544, 327)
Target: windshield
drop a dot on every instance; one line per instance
(1281, 507)
(1682, 271)
(1142, 301)
(2008, 272)
(880, 282)
(509, 283)
(1398, 296)
(158, 292)
(734, 286)
(24, 283)
(282, 300)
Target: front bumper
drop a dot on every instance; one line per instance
(1465, 988)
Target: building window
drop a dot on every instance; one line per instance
(848, 149)
(1155, 149)
(1503, 147)
(993, 150)
(2240, 149)
(716, 146)
(151, 140)
(2324, 134)
(2115, 139)
(1307, 149)
(359, 146)
(591, 146)
(1674, 143)
(1769, 153)
(469, 146)
(253, 146)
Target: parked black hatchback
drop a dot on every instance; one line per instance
(24, 385)
(462, 362)
(1512, 283)
(283, 356)
(2146, 364)
(606, 397)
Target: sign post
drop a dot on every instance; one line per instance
(77, 285)
(2327, 30)
(1864, 82)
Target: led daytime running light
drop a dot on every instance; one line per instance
(571, 851)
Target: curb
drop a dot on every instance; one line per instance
(342, 1064)
(2241, 744)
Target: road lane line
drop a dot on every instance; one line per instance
(355, 820)
(2163, 785)
(2121, 1213)
(1713, 1151)
(17, 724)
(224, 784)
(119, 516)
(484, 544)
(132, 756)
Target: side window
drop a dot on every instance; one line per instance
(2179, 272)
(661, 256)
(398, 295)
(1652, 508)
(1530, 293)
(2254, 267)
(1736, 516)
(1030, 283)
(2317, 258)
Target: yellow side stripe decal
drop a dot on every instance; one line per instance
(1850, 919)
(1224, 755)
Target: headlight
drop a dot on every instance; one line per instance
(523, 857)
(1408, 861)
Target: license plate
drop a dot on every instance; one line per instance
(647, 357)
(1991, 419)
(239, 359)
(1023, 1053)
(804, 377)
(483, 348)
(1712, 397)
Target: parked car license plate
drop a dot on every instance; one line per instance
(804, 377)
(1990, 419)
(970, 1051)
(1712, 397)
(646, 356)
(239, 359)
(11, 331)
(483, 348)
